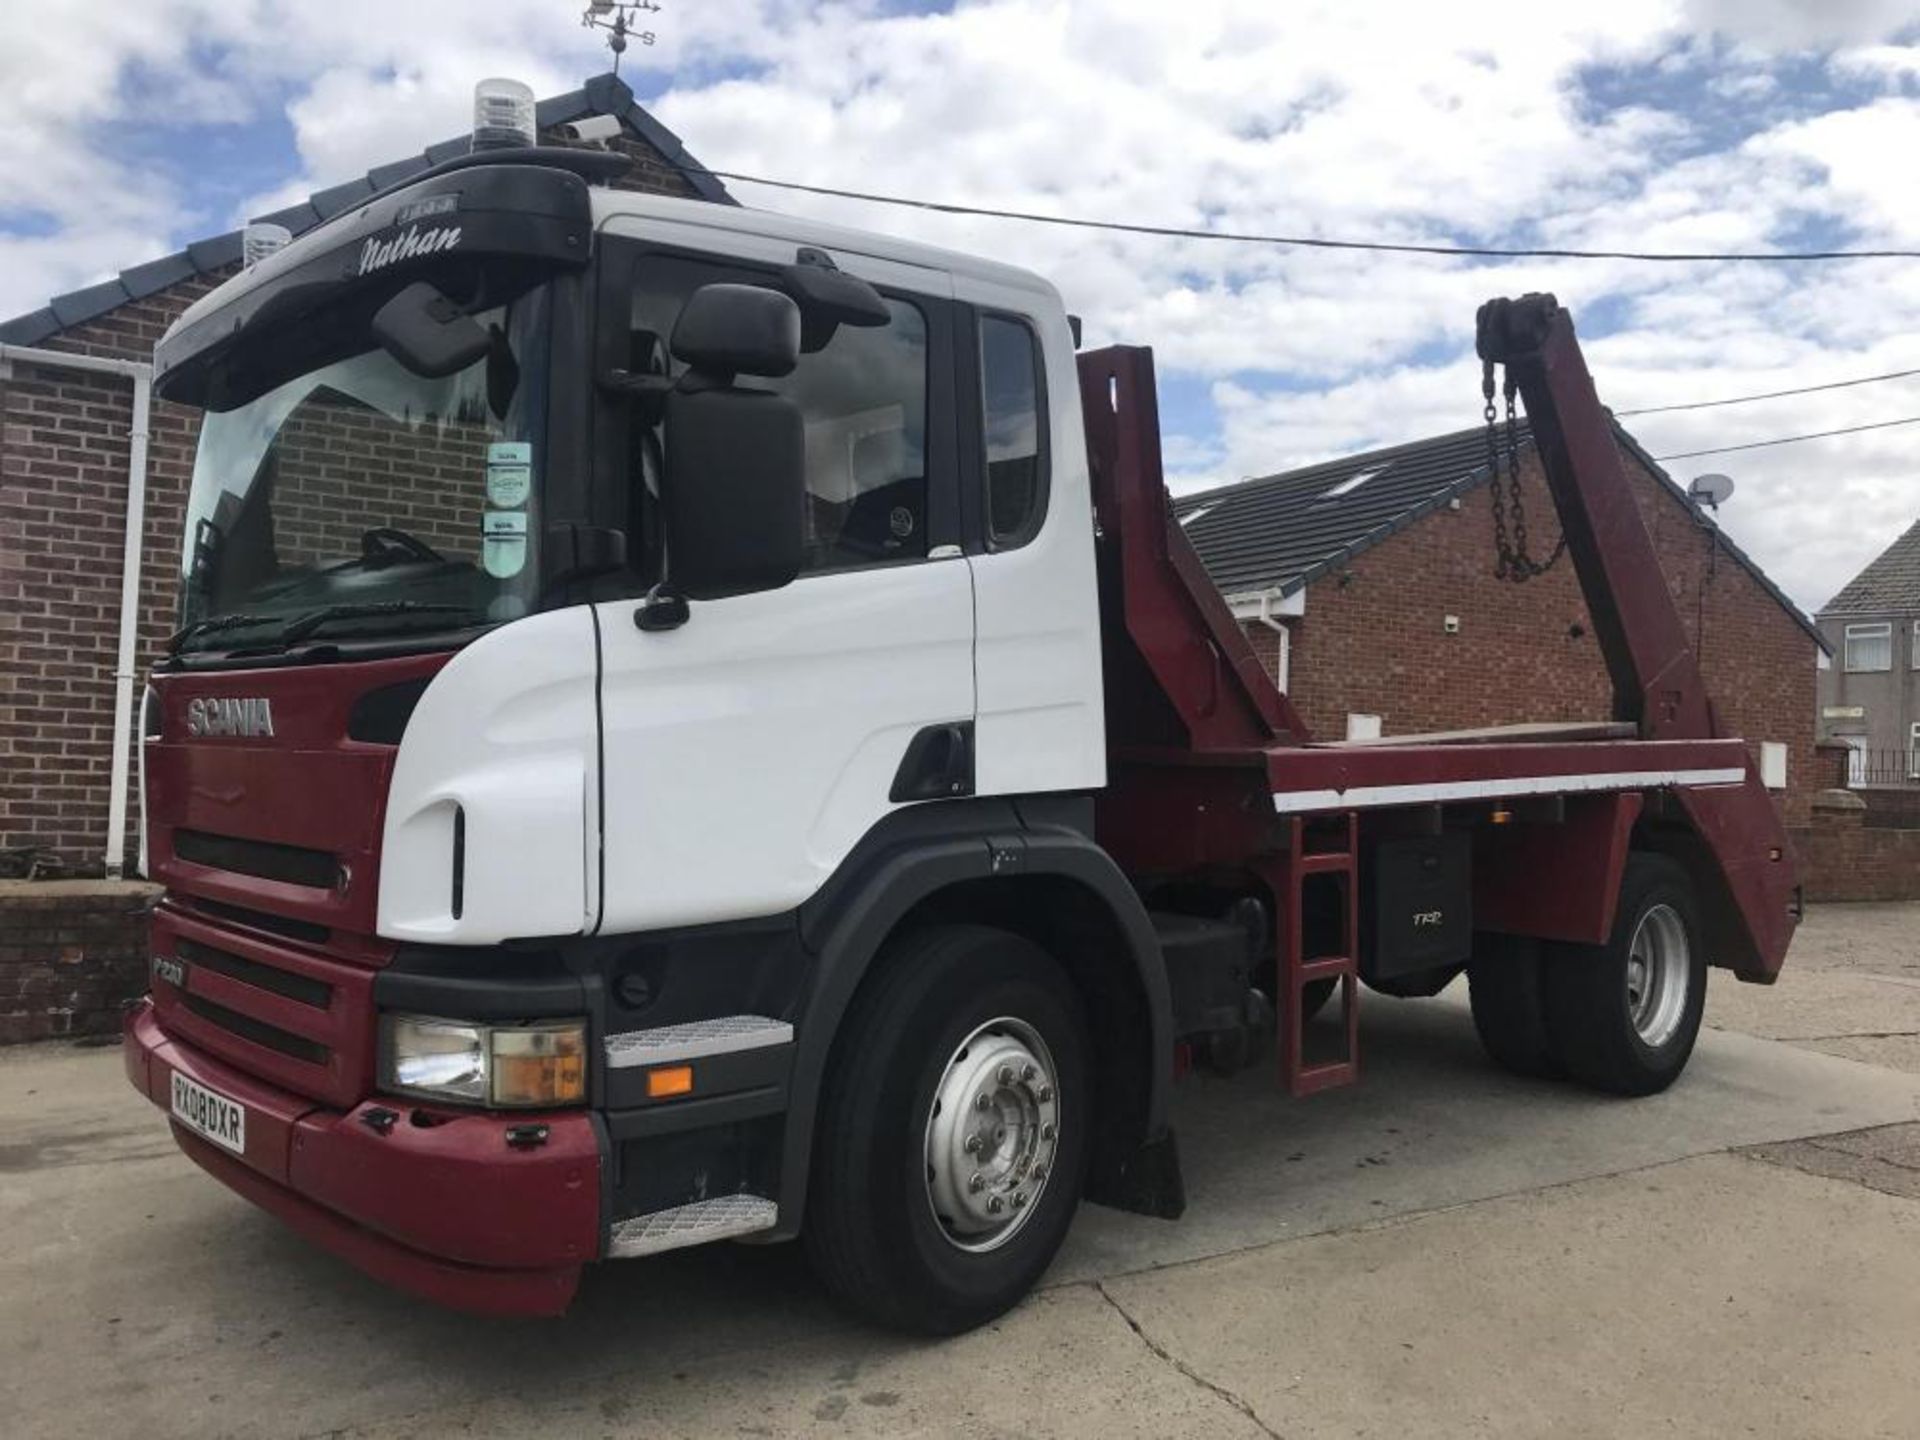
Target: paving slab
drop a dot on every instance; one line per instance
(1710, 1297)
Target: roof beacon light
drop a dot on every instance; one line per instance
(260, 239)
(502, 115)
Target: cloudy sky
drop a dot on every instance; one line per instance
(1648, 124)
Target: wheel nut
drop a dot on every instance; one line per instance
(1039, 1173)
(972, 1147)
(1046, 1131)
(1028, 1072)
(976, 1183)
(1019, 1199)
(1005, 1075)
(981, 1102)
(995, 1205)
(1046, 1094)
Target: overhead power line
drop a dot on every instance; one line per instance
(1766, 395)
(1790, 439)
(1311, 242)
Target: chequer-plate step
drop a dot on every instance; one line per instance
(720, 1218)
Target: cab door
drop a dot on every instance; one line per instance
(748, 750)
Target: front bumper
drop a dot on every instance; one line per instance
(438, 1204)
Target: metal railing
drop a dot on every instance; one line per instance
(1889, 782)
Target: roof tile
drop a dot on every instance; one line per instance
(1281, 532)
(1890, 585)
(77, 307)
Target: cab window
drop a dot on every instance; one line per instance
(1013, 413)
(862, 399)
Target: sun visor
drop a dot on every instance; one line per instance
(483, 232)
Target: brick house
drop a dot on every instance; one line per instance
(1366, 585)
(65, 440)
(1870, 698)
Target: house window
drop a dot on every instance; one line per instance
(1914, 661)
(1869, 647)
(1913, 752)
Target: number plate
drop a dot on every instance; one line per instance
(221, 1120)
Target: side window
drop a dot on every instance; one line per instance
(1013, 412)
(863, 399)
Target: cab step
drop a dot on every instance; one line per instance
(721, 1218)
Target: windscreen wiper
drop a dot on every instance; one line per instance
(213, 624)
(311, 624)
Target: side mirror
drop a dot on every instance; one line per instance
(733, 498)
(428, 333)
(829, 298)
(729, 330)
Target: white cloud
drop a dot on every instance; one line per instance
(1409, 121)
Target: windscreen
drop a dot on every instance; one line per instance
(362, 500)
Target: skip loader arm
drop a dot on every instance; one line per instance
(1737, 845)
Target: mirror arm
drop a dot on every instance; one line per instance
(663, 609)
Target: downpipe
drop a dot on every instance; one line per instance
(141, 375)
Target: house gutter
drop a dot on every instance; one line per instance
(1265, 607)
(141, 376)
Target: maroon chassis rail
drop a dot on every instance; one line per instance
(1213, 774)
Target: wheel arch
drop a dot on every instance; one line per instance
(1051, 884)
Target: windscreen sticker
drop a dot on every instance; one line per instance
(509, 473)
(503, 543)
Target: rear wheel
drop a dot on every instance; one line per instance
(1505, 987)
(1624, 1015)
(953, 1131)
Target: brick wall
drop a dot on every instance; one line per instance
(1843, 858)
(70, 952)
(63, 497)
(342, 470)
(1373, 637)
(63, 493)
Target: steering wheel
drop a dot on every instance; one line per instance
(385, 544)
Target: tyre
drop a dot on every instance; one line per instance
(953, 1131)
(1624, 1015)
(1509, 1005)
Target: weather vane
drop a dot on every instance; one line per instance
(616, 18)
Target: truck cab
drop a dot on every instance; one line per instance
(455, 831)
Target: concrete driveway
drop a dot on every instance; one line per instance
(1442, 1250)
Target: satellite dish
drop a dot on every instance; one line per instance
(1710, 490)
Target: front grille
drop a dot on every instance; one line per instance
(280, 925)
(263, 859)
(258, 1031)
(302, 988)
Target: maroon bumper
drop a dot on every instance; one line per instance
(439, 1205)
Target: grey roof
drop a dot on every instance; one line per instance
(602, 95)
(1890, 585)
(1282, 532)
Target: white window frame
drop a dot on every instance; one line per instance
(1913, 659)
(1881, 630)
(1913, 751)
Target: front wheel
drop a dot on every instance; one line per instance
(1624, 1015)
(952, 1133)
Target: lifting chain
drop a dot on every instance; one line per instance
(1513, 559)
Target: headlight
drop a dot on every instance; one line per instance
(506, 1065)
